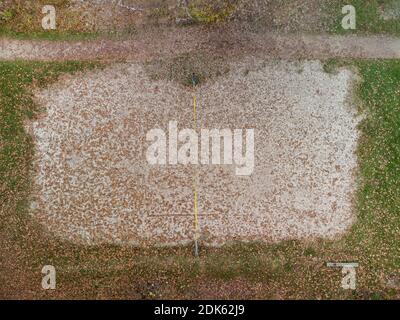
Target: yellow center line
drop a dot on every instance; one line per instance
(195, 111)
(195, 180)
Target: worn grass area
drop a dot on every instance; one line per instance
(22, 18)
(369, 16)
(290, 269)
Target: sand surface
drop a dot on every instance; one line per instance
(93, 183)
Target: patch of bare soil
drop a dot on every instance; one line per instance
(93, 183)
(308, 16)
(231, 290)
(258, 15)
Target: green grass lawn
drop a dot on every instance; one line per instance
(291, 269)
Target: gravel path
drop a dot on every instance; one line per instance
(169, 42)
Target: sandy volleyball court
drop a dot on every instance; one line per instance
(93, 183)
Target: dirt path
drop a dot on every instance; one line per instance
(175, 41)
